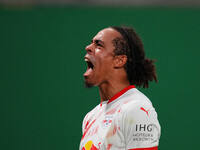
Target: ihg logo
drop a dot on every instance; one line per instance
(144, 127)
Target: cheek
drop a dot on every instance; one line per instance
(104, 60)
(97, 51)
(105, 64)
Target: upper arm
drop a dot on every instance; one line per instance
(141, 128)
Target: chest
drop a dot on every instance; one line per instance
(102, 131)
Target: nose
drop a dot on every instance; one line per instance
(89, 48)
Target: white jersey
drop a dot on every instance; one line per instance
(128, 121)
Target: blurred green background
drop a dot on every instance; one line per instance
(43, 99)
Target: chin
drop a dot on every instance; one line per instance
(88, 85)
(90, 82)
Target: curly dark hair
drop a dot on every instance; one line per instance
(140, 70)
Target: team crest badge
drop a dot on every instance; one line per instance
(107, 121)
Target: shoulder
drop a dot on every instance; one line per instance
(93, 110)
(91, 113)
(139, 122)
(136, 101)
(137, 109)
(89, 116)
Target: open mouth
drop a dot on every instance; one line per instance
(90, 65)
(90, 68)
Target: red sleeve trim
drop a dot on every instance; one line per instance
(149, 148)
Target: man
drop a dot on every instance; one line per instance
(125, 119)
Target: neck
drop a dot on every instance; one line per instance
(109, 89)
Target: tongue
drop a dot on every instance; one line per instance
(88, 72)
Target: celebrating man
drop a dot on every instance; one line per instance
(125, 118)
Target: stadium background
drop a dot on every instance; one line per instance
(43, 99)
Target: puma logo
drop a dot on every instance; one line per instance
(147, 111)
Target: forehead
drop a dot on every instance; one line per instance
(107, 35)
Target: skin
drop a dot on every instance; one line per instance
(108, 72)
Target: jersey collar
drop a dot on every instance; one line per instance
(120, 93)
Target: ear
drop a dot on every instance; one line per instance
(120, 61)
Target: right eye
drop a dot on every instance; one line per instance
(98, 44)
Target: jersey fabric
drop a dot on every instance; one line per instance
(127, 121)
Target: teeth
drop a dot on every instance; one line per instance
(89, 63)
(86, 60)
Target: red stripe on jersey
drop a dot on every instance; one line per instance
(88, 129)
(149, 148)
(120, 93)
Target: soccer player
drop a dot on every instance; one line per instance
(125, 118)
